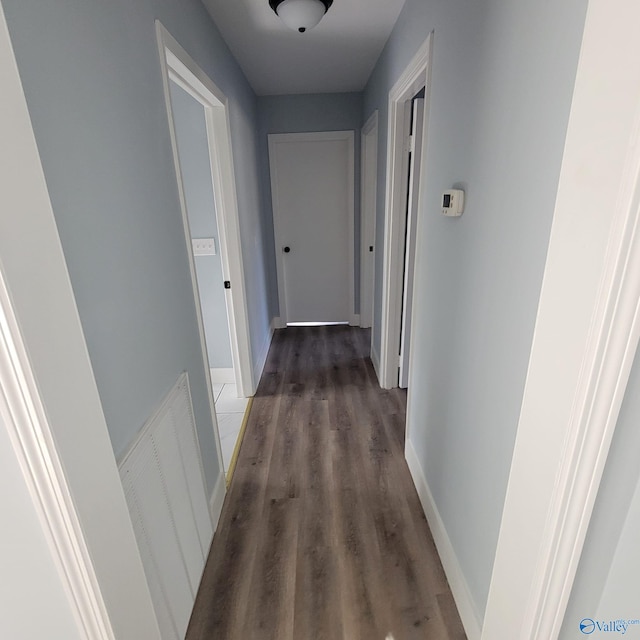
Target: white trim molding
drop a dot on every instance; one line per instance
(414, 77)
(585, 338)
(34, 445)
(459, 588)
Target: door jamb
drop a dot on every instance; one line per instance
(414, 77)
(368, 196)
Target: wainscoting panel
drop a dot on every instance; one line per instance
(164, 486)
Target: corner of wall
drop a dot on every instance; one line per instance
(262, 356)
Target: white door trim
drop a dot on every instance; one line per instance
(368, 201)
(276, 138)
(179, 67)
(585, 339)
(413, 78)
(34, 446)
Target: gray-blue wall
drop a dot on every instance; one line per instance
(91, 75)
(195, 167)
(502, 81)
(304, 114)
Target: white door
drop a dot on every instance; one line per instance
(312, 190)
(369, 173)
(415, 149)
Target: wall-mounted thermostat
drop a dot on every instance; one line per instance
(453, 202)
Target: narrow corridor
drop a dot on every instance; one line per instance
(322, 535)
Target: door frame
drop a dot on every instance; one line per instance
(368, 209)
(179, 67)
(415, 77)
(325, 136)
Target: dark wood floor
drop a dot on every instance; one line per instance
(322, 535)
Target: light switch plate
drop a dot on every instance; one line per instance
(204, 246)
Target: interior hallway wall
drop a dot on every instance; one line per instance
(502, 81)
(304, 114)
(91, 75)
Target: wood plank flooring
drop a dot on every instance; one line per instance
(322, 536)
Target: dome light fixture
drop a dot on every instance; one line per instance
(300, 15)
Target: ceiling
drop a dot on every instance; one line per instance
(338, 55)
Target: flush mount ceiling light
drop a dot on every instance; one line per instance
(300, 15)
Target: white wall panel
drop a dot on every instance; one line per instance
(164, 485)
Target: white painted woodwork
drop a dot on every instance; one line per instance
(415, 166)
(164, 486)
(585, 338)
(368, 201)
(412, 80)
(43, 552)
(177, 66)
(53, 415)
(312, 181)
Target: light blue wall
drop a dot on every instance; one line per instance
(91, 75)
(304, 114)
(502, 81)
(193, 150)
(607, 582)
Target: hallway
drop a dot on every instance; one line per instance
(322, 535)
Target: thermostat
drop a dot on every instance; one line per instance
(453, 202)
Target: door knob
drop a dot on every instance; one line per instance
(287, 249)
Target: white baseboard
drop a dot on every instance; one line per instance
(278, 323)
(459, 588)
(217, 500)
(262, 357)
(354, 321)
(223, 375)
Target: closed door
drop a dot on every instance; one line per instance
(312, 190)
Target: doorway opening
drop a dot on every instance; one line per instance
(201, 142)
(408, 108)
(414, 164)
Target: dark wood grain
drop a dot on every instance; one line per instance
(322, 535)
